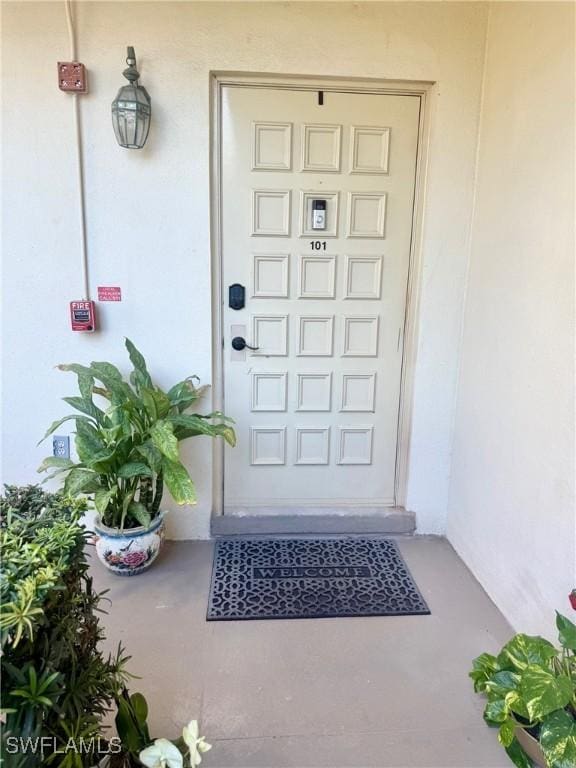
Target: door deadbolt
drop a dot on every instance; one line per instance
(236, 296)
(239, 343)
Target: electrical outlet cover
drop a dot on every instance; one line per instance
(61, 446)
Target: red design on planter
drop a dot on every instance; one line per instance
(134, 559)
(128, 561)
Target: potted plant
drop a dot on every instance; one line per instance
(128, 451)
(531, 690)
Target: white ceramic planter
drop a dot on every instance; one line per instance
(532, 747)
(131, 551)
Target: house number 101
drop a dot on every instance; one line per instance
(318, 245)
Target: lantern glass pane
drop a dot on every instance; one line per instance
(131, 111)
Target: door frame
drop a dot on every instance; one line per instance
(421, 89)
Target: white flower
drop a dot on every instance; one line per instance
(161, 754)
(195, 743)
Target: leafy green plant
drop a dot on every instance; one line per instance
(56, 681)
(531, 684)
(129, 449)
(132, 723)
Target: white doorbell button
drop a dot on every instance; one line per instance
(318, 214)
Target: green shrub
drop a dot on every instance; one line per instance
(56, 682)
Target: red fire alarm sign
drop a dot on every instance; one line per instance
(109, 293)
(82, 316)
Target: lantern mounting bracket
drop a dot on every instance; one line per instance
(131, 73)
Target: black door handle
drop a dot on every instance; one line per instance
(238, 343)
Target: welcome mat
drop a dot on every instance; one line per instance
(310, 579)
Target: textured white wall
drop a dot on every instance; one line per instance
(512, 515)
(148, 211)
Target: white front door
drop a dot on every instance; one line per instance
(316, 222)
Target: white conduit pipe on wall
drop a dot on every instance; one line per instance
(79, 160)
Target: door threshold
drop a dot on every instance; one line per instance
(242, 520)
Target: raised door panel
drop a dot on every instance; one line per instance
(369, 149)
(272, 146)
(321, 148)
(271, 212)
(270, 275)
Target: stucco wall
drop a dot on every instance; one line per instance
(512, 513)
(148, 211)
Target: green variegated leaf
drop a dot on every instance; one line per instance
(85, 385)
(87, 407)
(107, 370)
(58, 423)
(179, 482)
(55, 461)
(139, 363)
(155, 402)
(149, 403)
(516, 704)
(566, 632)
(495, 711)
(126, 501)
(483, 667)
(135, 469)
(501, 683)
(544, 692)
(119, 416)
(229, 435)
(185, 394)
(506, 732)
(58, 473)
(81, 481)
(140, 513)
(189, 425)
(216, 415)
(523, 650)
(190, 421)
(138, 381)
(102, 498)
(163, 404)
(558, 739)
(111, 377)
(183, 433)
(79, 370)
(103, 461)
(162, 434)
(88, 442)
(151, 454)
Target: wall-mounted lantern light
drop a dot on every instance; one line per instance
(131, 109)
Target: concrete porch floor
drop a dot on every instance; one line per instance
(336, 693)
